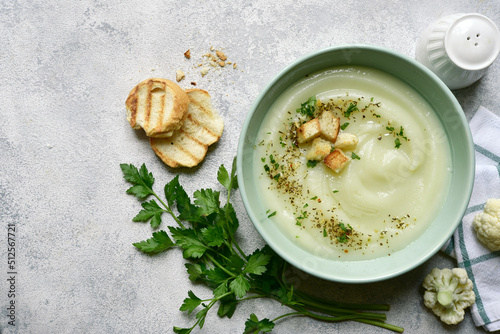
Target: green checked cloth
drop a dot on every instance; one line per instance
(482, 265)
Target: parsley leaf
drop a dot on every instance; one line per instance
(227, 306)
(228, 181)
(170, 191)
(190, 303)
(179, 330)
(156, 244)
(207, 201)
(151, 211)
(257, 263)
(187, 210)
(195, 271)
(240, 286)
(213, 235)
(254, 325)
(141, 179)
(188, 240)
(221, 290)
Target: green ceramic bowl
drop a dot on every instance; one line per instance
(449, 112)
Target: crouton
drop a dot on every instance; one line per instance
(329, 125)
(319, 149)
(336, 160)
(308, 131)
(346, 141)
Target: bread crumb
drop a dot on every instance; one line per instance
(179, 75)
(187, 54)
(221, 55)
(213, 60)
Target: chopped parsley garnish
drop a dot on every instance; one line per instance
(397, 143)
(398, 135)
(312, 163)
(344, 237)
(352, 107)
(355, 156)
(401, 133)
(271, 214)
(343, 126)
(308, 108)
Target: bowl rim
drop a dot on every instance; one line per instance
(462, 207)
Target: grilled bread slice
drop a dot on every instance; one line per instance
(202, 127)
(158, 106)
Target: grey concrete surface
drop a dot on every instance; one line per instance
(66, 68)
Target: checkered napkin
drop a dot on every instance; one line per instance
(482, 265)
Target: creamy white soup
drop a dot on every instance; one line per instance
(394, 177)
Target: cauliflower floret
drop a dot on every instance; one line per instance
(487, 224)
(448, 293)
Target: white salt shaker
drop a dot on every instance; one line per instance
(459, 48)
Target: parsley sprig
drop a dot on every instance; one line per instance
(206, 232)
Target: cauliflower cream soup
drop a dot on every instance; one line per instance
(352, 163)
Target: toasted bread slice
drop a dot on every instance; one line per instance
(202, 127)
(336, 160)
(202, 122)
(158, 106)
(180, 150)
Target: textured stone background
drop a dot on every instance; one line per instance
(66, 68)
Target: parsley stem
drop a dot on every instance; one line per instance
(237, 246)
(231, 237)
(393, 328)
(169, 210)
(326, 304)
(329, 318)
(287, 315)
(214, 261)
